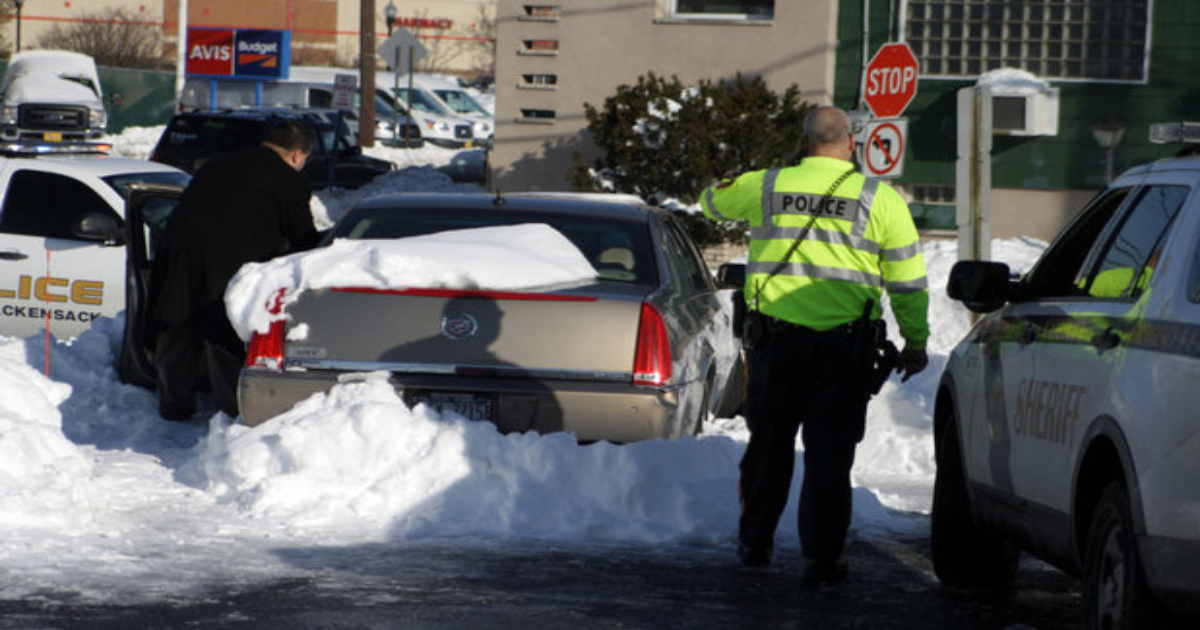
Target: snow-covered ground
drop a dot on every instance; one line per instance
(100, 500)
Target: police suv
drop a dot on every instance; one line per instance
(62, 259)
(1067, 422)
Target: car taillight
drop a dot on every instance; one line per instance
(266, 349)
(652, 358)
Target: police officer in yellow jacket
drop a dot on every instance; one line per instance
(824, 244)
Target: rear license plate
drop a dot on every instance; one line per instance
(468, 405)
(52, 136)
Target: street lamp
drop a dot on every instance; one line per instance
(19, 4)
(1108, 134)
(389, 15)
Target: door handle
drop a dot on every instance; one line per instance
(1027, 335)
(1106, 340)
(12, 254)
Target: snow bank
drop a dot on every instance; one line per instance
(358, 461)
(43, 475)
(495, 258)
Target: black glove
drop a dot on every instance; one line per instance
(911, 362)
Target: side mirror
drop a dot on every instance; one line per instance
(982, 286)
(731, 275)
(99, 227)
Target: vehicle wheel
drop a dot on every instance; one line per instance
(1115, 596)
(964, 554)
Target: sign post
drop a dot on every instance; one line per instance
(401, 49)
(890, 82)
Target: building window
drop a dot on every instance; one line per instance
(545, 116)
(539, 47)
(539, 81)
(540, 13)
(724, 9)
(1089, 40)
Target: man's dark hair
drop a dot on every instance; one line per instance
(290, 135)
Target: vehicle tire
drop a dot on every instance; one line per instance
(1115, 595)
(964, 554)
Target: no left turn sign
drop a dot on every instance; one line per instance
(883, 151)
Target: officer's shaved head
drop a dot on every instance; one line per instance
(825, 125)
(827, 133)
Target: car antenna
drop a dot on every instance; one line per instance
(499, 200)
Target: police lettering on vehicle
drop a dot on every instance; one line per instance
(815, 205)
(57, 314)
(49, 289)
(1047, 410)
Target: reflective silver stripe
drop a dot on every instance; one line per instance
(768, 211)
(865, 198)
(902, 253)
(816, 272)
(907, 286)
(825, 236)
(712, 207)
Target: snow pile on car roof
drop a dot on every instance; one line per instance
(504, 258)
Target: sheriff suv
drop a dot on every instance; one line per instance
(1067, 422)
(62, 220)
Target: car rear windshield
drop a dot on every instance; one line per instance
(619, 250)
(121, 182)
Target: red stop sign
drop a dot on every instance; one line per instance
(891, 80)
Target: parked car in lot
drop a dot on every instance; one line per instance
(62, 254)
(192, 138)
(1066, 421)
(642, 352)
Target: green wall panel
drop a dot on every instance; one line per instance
(1069, 160)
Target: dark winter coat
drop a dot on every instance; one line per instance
(248, 206)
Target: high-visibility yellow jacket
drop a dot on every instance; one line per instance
(862, 241)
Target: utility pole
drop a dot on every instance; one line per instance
(366, 74)
(180, 51)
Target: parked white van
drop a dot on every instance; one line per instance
(437, 126)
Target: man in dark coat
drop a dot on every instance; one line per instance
(245, 207)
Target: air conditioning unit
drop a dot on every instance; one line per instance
(1021, 111)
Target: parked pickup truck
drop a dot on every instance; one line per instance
(53, 96)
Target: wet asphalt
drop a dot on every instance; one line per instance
(540, 585)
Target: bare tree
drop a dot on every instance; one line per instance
(438, 50)
(483, 44)
(7, 8)
(114, 37)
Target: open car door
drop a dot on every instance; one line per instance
(147, 208)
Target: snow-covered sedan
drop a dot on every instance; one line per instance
(640, 350)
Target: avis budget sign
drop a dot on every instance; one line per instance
(238, 53)
(891, 80)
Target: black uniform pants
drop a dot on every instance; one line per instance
(799, 377)
(186, 359)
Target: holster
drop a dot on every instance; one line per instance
(876, 356)
(754, 329)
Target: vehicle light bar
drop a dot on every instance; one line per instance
(1175, 133)
(14, 149)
